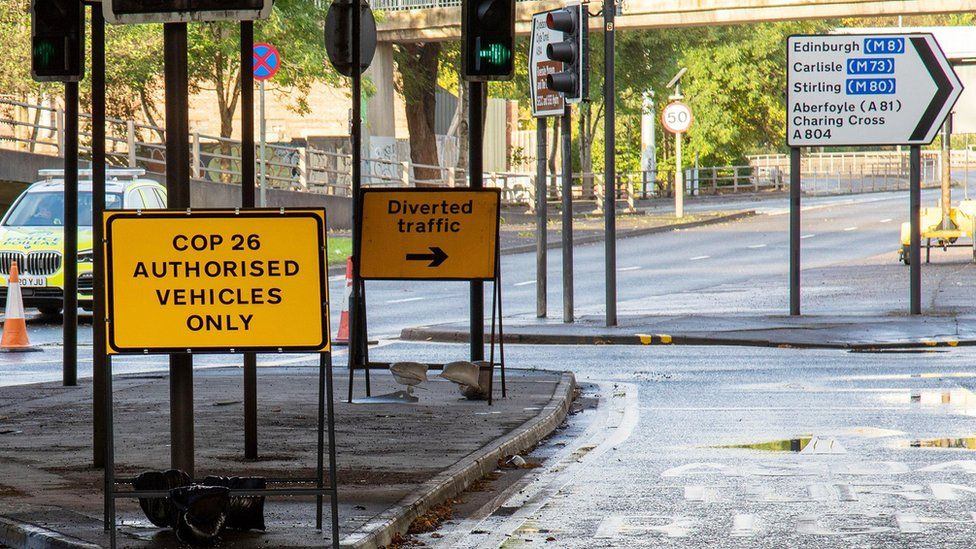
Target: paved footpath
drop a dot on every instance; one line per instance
(395, 460)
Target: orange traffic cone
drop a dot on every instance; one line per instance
(342, 336)
(14, 325)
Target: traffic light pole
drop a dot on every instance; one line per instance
(70, 262)
(476, 94)
(358, 344)
(178, 197)
(610, 161)
(99, 354)
(247, 201)
(567, 204)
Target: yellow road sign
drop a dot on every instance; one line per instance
(216, 281)
(429, 234)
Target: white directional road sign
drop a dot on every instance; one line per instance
(882, 89)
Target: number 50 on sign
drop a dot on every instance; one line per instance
(677, 117)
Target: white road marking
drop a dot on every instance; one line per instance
(405, 300)
(633, 268)
(885, 220)
(757, 246)
(806, 236)
(526, 283)
(337, 278)
(698, 257)
(847, 229)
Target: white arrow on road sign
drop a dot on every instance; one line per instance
(879, 89)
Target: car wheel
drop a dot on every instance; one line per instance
(50, 310)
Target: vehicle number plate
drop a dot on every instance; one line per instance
(33, 281)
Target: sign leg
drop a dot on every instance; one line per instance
(333, 473)
(795, 189)
(247, 201)
(178, 196)
(914, 211)
(567, 204)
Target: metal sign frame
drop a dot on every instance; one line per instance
(273, 213)
(326, 408)
(361, 215)
(914, 186)
(358, 341)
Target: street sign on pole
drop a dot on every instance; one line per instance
(677, 117)
(216, 281)
(338, 36)
(429, 234)
(881, 89)
(545, 102)
(267, 61)
(184, 11)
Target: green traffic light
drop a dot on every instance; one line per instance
(44, 53)
(495, 54)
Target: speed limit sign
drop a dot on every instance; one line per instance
(677, 117)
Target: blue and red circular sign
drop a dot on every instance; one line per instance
(267, 61)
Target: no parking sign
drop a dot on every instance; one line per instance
(267, 61)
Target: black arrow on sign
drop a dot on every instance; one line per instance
(942, 83)
(436, 257)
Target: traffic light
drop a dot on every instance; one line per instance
(176, 11)
(488, 39)
(57, 40)
(573, 82)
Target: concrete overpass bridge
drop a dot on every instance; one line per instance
(440, 20)
(406, 21)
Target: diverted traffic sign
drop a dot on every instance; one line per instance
(216, 281)
(884, 89)
(429, 234)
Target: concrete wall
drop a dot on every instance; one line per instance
(219, 195)
(22, 166)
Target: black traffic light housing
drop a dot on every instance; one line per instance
(57, 40)
(574, 81)
(487, 40)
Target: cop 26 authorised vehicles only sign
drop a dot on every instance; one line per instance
(883, 89)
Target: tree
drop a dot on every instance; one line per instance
(417, 65)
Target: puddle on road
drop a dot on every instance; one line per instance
(784, 445)
(959, 400)
(964, 443)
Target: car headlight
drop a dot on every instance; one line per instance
(86, 256)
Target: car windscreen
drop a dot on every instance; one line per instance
(46, 209)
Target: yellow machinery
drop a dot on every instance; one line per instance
(963, 218)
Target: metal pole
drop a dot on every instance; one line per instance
(70, 305)
(679, 179)
(795, 231)
(178, 196)
(247, 201)
(567, 154)
(914, 210)
(476, 94)
(357, 310)
(946, 201)
(333, 477)
(610, 163)
(264, 159)
(99, 355)
(541, 220)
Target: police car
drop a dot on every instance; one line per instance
(32, 233)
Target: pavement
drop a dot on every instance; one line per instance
(395, 461)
